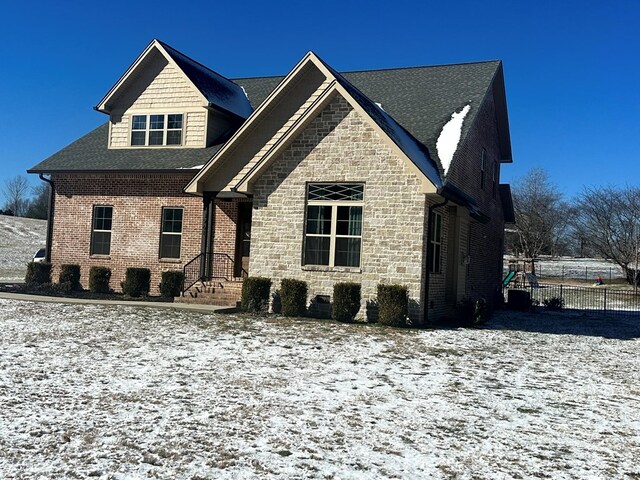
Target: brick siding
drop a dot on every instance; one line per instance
(137, 201)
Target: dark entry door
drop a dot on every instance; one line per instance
(243, 245)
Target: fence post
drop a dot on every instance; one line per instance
(562, 273)
(605, 300)
(610, 275)
(561, 292)
(586, 279)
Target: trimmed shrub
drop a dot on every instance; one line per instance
(38, 273)
(69, 278)
(171, 283)
(99, 279)
(293, 297)
(255, 294)
(346, 301)
(137, 282)
(393, 305)
(553, 303)
(472, 313)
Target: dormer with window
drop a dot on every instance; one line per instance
(167, 100)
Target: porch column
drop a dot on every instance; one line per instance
(208, 216)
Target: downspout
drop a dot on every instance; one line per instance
(429, 255)
(52, 200)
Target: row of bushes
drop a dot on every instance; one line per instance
(137, 282)
(392, 301)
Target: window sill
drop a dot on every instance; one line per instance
(169, 260)
(325, 268)
(100, 257)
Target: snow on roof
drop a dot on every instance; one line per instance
(447, 143)
(217, 89)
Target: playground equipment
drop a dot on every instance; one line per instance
(520, 274)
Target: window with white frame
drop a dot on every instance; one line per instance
(333, 229)
(156, 130)
(171, 236)
(101, 230)
(435, 243)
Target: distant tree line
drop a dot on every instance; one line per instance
(23, 200)
(598, 222)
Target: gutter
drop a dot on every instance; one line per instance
(429, 257)
(52, 200)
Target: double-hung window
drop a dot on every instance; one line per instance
(101, 230)
(435, 243)
(333, 227)
(171, 236)
(156, 130)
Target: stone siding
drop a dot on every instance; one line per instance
(137, 202)
(340, 146)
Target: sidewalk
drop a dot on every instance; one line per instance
(130, 303)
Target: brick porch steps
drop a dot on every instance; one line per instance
(224, 293)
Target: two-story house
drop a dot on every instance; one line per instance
(380, 176)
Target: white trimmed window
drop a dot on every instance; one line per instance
(156, 130)
(435, 243)
(333, 226)
(171, 236)
(101, 230)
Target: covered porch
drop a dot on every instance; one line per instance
(225, 248)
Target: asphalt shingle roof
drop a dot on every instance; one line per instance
(420, 99)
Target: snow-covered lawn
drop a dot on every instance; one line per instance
(133, 392)
(20, 239)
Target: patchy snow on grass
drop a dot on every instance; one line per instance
(135, 393)
(20, 239)
(447, 142)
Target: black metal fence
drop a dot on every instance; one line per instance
(606, 301)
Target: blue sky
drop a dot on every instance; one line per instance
(572, 68)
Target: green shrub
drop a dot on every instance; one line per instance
(393, 305)
(553, 303)
(137, 282)
(38, 273)
(99, 279)
(293, 297)
(255, 294)
(69, 278)
(473, 312)
(346, 301)
(171, 283)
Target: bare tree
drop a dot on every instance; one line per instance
(39, 204)
(609, 219)
(541, 216)
(15, 192)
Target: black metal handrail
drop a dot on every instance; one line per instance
(210, 266)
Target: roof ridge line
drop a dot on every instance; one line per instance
(442, 65)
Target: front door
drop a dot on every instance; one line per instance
(243, 236)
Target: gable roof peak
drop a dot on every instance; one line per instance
(219, 92)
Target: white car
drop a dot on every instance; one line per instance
(40, 255)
